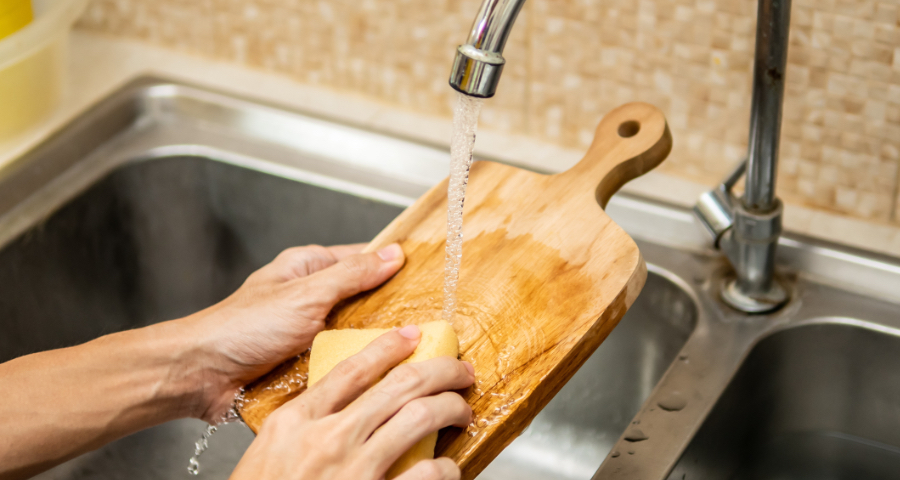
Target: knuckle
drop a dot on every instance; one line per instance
(418, 412)
(292, 253)
(355, 265)
(406, 376)
(314, 291)
(450, 371)
(315, 250)
(352, 371)
(330, 448)
(286, 417)
(449, 364)
(384, 346)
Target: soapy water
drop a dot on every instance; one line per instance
(479, 424)
(462, 143)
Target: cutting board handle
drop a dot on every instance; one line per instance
(629, 142)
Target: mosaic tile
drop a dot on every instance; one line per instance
(571, 61)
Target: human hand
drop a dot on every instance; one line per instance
(275, 315)
(341, 429)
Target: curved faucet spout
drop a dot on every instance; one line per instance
(478, 63)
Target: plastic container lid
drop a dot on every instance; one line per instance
(51, 18)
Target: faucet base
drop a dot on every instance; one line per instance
(770, 301)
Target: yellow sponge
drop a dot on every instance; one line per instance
(330, 347)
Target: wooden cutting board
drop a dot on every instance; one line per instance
(545, 277)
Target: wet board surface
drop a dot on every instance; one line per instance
(545, 277)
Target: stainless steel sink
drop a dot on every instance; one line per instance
(161, 199)
(820, 401)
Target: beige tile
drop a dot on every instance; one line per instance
(571, 61)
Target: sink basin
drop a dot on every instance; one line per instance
(160, 200)
(816, 402)
(160, 239)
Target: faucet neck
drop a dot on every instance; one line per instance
(773, 22)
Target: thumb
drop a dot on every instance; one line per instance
(357, 273)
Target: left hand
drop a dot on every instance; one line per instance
(276, 314)
(344, 428)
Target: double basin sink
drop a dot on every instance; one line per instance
(161, 200)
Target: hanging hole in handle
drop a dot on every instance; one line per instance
(629, 129)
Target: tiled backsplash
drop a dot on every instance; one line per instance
(570, 61)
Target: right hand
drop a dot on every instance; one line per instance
(329, 431)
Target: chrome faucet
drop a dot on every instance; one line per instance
(746, 229)
(478, 63)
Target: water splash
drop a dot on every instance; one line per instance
(290, 381)
(462, 143)
(200, 446)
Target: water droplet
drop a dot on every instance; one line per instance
(615, 454)
(635, 434)
(194, 466)
(631, 452)
(672, 402)
(683, 357)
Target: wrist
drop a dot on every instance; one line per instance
(190, 382)
(200, 369)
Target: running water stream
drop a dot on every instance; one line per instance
(462, 142)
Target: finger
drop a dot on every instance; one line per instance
(350, 378)
(298, 262)
(405, 384)
(356, 273)
(343, 251)
(412, 423)
(438, 469)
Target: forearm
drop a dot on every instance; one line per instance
(58, 404)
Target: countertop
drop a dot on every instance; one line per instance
(98, 65)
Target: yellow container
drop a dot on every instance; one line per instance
(33, 65)
(14, 14)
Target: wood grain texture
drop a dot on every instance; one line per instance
(545, 277)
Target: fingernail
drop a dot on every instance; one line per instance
(390, 252)
(410, 331)
(470, 368)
